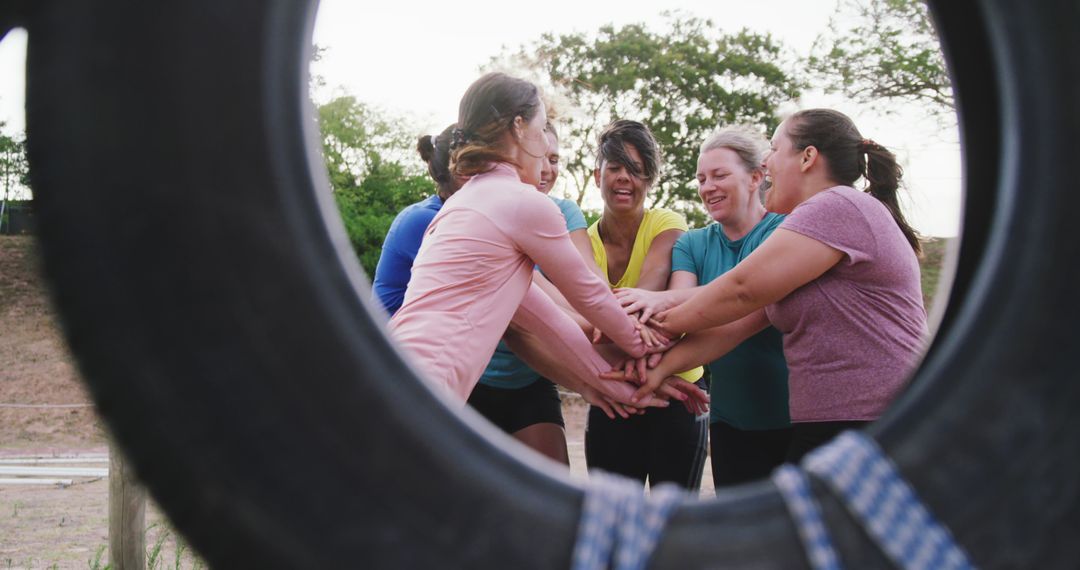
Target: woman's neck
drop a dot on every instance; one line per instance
(620, 228)
(735, 230)
(815, 185)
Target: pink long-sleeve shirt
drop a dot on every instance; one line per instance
(474, 271)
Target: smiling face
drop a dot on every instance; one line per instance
(727, 190)
(783, 168)
(550, 172)
(622, 191)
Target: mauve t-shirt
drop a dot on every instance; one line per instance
(853, 335)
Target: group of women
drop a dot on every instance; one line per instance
(802, 315)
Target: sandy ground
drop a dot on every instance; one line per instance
(67, 527)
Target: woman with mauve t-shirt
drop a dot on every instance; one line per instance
(839, 278)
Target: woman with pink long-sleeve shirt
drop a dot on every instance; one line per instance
(473, 273)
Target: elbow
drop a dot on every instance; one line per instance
(745, 294)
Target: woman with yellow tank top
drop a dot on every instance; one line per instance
(632, 246)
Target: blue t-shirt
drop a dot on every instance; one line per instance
(749, 388)
(506, 370)
(399, 250)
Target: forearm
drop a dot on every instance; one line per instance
(702, 347)
(589, 295)
(553, 292)
(529, 348)
(558, 350)
(714, 305)
(580, 239)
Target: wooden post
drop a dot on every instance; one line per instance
(127, 516)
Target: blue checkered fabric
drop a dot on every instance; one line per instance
(868, 484)
(620, 526)
(872, 490)
(795, 488)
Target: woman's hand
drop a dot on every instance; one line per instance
(657, 384)
(642, 301)
(695, 399)
(609, 406)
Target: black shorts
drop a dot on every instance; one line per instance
(513, 409)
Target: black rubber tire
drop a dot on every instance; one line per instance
(211, 298)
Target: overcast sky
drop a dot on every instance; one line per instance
(418, 58)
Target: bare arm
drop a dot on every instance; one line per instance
(543, 238)
(681, 288)
(528, 347)
(564, 352)
(580, 239)
(699, 348)
(656, 268)
(784, 262)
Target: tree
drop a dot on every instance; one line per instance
(682, 82)
(374, 171)
(880, 52)
(14, 170)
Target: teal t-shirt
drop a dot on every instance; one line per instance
(505, 370)
(749, 388)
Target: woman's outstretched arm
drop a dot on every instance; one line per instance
(784, 262)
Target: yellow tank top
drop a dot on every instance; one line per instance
(655, 222)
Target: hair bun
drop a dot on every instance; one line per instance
(426, 147)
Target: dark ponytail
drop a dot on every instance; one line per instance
(435, 151)
(849, 157)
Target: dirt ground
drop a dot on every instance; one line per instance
(45, 411)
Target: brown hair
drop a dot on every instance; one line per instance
(488, 110)
(610, 147)
(848, 157)
(435, 151)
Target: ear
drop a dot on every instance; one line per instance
(809, 157)
(756, 178)
(519, 127)
(596, 176)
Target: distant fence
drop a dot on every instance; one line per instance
(18, 218)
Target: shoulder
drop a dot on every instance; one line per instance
(567, 206)
(839, 202)
(698, 236)
(771, 221)
(664, 216)
(659, 220)
(416, 215)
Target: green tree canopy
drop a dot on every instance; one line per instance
(879, 52)
(683, 82)
(374, 171)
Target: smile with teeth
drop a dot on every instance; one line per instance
(717, 199)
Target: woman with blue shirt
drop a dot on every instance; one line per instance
(407, 230)
(749, 424)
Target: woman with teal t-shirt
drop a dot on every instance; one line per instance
(749, 424)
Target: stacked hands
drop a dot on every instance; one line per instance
(654, 388)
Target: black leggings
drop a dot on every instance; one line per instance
(739, 456)
(809, 435)
(662, 445)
